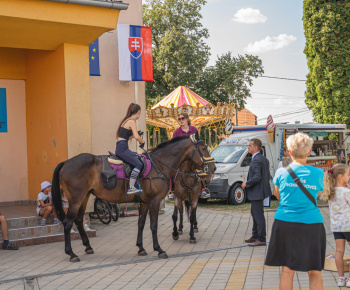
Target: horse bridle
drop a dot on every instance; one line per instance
(198, 173)
(205, 160)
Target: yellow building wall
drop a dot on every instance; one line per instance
(76, 62)
(12, 63)
(46, 115)
(13, 144)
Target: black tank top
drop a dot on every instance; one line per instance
(125, 133)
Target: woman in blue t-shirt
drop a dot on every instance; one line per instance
(298, 238)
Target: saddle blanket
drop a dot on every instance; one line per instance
(121, 173)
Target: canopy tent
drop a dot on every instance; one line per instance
(183, 100)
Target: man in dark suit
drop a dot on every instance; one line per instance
(257, 188)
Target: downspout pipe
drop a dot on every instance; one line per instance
(118, 5)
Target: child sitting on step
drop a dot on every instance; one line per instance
(44, 204)
(338, 196)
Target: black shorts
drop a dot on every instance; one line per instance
(342, 236)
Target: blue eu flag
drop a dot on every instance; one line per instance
(94, 59)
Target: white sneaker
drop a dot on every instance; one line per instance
(87, 228)
(72, 231)
(43, 222)
(347, 283)
(132, 190)
(341, 281)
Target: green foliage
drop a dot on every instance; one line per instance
(327, 32)
(229, 80)
(179, 50)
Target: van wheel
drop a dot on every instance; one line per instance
(236, 195)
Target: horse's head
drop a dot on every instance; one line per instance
(201, 157)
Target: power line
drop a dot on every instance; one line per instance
(288, 79)
(293, 116)
(277, 95)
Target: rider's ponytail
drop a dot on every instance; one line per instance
(132, 110)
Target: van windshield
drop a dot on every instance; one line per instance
(228, 153)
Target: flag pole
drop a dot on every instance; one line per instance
(136, 98)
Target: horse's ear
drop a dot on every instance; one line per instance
(196, 135)
(193, 138)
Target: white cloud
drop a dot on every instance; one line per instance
(249, 16)
(270, 43)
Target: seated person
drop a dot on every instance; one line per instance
(44, 205)
(65, 206)
(5, 234)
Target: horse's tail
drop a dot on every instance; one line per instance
(56, 193)
(187, 205)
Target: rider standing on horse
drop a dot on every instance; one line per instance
(186, 129)
(126, 130)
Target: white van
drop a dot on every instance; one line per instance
(232, 159)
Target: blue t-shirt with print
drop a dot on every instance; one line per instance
(294, 205)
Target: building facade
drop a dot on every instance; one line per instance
(55, 109)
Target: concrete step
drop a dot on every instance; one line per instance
(27, 231)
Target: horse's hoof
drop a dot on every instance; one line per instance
(180, 232)
(163, 255)
(193, 241)
(142, 253)
(195, 230)
(175, 237)
(75, 259)
(89, 251)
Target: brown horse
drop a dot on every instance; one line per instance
(79, 177)
(188, 188)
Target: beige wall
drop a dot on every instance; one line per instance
(110, 98)
(13, 144)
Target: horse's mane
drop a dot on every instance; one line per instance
(169, 142)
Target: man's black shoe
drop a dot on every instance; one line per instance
(9, 246)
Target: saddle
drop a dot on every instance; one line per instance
(109, 174)
(114, 159)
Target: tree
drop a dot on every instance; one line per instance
(327, 32)
(229, 80)
(179, 51)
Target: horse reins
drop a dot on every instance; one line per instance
(198, 173)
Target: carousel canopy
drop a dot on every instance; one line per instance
(183, 100)
(181, 96)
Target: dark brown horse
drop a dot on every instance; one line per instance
(188, 188)
(79, 177)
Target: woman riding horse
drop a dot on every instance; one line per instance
(80, 176)
(127, 130)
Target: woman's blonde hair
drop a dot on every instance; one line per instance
(330, 179)
(300, 145)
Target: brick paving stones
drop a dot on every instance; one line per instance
(235, 268)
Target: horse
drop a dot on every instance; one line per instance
(80, 176)
(188, 188)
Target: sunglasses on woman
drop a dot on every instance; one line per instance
(181, 118)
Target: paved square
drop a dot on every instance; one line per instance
(219, 260)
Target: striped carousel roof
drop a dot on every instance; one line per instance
(181, 96)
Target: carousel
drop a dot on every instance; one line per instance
(203, 115)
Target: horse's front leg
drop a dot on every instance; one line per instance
(68, 224)
(175, 232)
(153, 213)
(181, 223)
(143, 209)
(192, 220)
(195, 227)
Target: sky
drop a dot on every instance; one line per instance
(272, 30)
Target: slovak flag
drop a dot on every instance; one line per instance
(135, 53)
